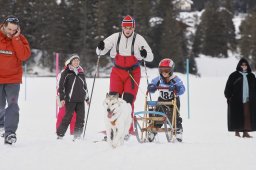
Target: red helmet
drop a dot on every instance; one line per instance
(166, 65)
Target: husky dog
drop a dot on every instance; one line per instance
(117, 119)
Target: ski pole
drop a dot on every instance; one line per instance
(97, 66)
(144, 62)
(146, 71)
(57, 72)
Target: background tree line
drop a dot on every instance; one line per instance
(76, 26)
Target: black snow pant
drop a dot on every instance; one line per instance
(79, 108)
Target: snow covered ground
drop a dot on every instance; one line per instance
(207, 144)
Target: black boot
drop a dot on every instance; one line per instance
(246, 135)
(237, 134)
(10, 139)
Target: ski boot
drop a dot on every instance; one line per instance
(151, 136)
(59, 137)
(10, 139)
(77, 137)
(179, 135)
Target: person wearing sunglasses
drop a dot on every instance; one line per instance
(171, 86)
(127, 48)
(14, 49)
(240, 92)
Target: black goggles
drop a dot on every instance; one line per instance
(12, 20)
(165, 70)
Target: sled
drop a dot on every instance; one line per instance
(145, 121)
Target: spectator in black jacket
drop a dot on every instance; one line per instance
(73, 93)
(240, 92)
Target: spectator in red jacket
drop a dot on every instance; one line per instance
(14, 48)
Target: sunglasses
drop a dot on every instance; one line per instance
(243, 64)
(12, 20)
(128, 28)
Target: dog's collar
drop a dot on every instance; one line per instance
(113, 122)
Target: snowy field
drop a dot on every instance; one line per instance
(207, 145)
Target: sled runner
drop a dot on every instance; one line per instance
(154, 120)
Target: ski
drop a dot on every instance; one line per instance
(105, 133)
(97, 141)
(105, 137)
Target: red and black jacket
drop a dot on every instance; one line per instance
(73, 87)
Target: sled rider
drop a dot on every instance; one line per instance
(175, 88)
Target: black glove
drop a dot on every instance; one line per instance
(228, 100)
(101, 45)
(143, 53)
(152, 88)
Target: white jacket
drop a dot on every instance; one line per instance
(125, 46)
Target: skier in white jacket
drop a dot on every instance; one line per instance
(127, 48)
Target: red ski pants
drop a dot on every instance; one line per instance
(121, 82)
(60, 116)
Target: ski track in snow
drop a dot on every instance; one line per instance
(207, 143)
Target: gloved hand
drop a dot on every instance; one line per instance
(101, 45)
(152, 88)
(143, 53)
(87, 101)
(172, 88)
(228, 100)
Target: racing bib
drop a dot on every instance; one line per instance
(166, 94)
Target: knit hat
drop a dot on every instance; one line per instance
(73, 56)
(128, 21)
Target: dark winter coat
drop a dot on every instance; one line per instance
(234, 95)
(72, 87)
